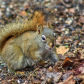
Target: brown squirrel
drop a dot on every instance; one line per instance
(26, 43)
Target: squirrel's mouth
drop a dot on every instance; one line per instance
(48, 48)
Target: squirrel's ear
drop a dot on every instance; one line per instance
(39, 29)
(49, 25)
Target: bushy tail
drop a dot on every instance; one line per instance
(18, 27)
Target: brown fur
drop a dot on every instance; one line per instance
(25, 44)
(17, 28)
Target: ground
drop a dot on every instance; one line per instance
(67, 20)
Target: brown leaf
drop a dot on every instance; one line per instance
(67, 74)
(71, 10)
(81, 76)
(81, 19)
(82, 54)
(19, 72)
(59, 39)
(13, 82)
(23, 13)
(61, 57)
(79, 70)
(82, 82)
(42, 78)
(37, 82)
(68, 62)
(55, 75)
(62, 50)
(69, 80)
(50, 69)
(78, 78)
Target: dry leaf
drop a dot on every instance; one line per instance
(82, 82)
(19, 72)
(69, 80)
(62, 50)
(50, 69)
(67, 74)
(71, 10)
(59, 39)
(68, 62)
(23, 13)
(81, 76)
(81, 69)
(37, 82)
(82, 53)
(55, 75)
(81, 19)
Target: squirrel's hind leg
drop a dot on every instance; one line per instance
(13, 56)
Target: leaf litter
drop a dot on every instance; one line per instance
(67, 20)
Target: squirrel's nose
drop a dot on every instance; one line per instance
(51, 44)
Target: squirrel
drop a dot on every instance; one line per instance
(26, 43)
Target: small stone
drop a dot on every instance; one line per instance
(11, 6)
(8, 9)
(20, 81)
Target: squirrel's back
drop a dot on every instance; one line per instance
(16, 28)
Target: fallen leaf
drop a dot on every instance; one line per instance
(62, 50)
(79, 70)
(80, 76)
(50, 69)
(81, 19)
(67, 63)
(78, 79)
(48, 81)
(42, 78)
(82, 82)
(55, 75)
(82, 53)
(37, 82)
(19, 72)
(61, 57)
(23, 13)
(69, 80)
(71, 10)
(67, 74)
(59, 39)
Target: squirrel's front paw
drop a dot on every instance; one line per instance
(37, 57)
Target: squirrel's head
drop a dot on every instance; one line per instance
(47, 37)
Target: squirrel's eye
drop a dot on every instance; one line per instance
(43, 37)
